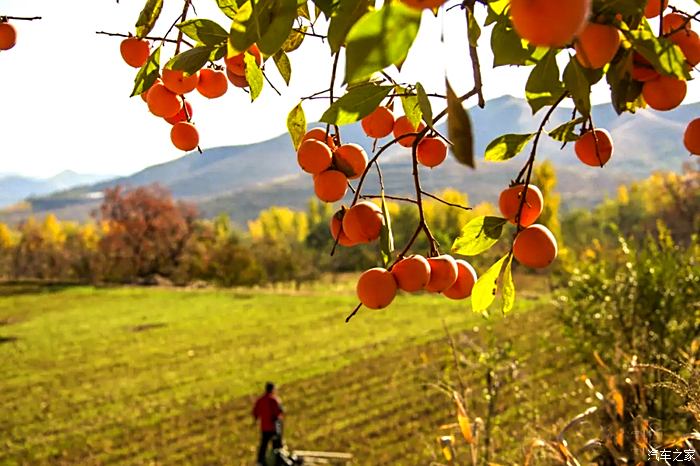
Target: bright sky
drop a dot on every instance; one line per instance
(64, 92)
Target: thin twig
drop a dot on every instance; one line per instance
(180, 34)
(451, 204)
(4, 19)
(474, 55)
(162, 39)
(312, 34)
(531, 160)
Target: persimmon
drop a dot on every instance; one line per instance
(443, 273)
(379, 123)
(422, 4)
(642, 69)
(664, 93)
(689, 43)
(212, 83)
(8, 37)
(412, 273)
(184, 136)
(376, 288)
(314, 156)
(673, 23)
(509, 203)
(236, 80)
(594, 148)
(597, 45)
(431, 152)
(144, 94)
(163, 102)
(179, 82)
(134, 51)
(402, 126)
(331, 185)
(363, 222)
(549, 23)
(466, 278)
(691, 137)
(337, 233)
(350, 159)
(236, 63)
(535, 247)
(653, 8)
(321, 135)
(182, 115)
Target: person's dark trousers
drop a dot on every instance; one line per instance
(264, 440)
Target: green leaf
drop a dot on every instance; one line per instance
(356, 104)
(497, 11)
(625, 92)
(294, 40)
(204, 31)
(578, 86)
(347, 14)
(411, 106)
(567, 131)
(507, 46)
(424, 104)
(507, 146)
(283, 65)
(666, 57)
(148, 17)
(296, 125)
(228, 7)
(243, 31)
(326, 6)
(218, 53)
(386, 237)
(275, 19)
(148, 74)
(459, 129)
(543, 85)
(379, 39)
(508, 290)
(486, 287)
(191, 60)
(473, 29)
(254, 76)
(479, 235)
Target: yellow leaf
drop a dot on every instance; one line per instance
(619, 402)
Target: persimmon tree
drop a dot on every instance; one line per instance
(645, 51)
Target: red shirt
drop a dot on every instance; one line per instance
(268, 409)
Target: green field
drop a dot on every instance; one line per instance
(167, 376)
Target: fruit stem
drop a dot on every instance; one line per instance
(352, 314)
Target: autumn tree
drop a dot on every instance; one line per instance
(146, 231)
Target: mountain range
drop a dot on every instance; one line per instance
(15, 188)
(243, 180)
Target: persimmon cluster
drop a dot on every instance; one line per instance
(166, 96)
(551, 23)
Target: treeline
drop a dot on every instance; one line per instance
(146, 236)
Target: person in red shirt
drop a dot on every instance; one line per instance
(268, 409)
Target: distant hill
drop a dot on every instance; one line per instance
(15, 188)
(242, 180)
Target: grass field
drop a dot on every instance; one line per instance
(167, 376)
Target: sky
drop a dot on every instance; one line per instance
(64, 90)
